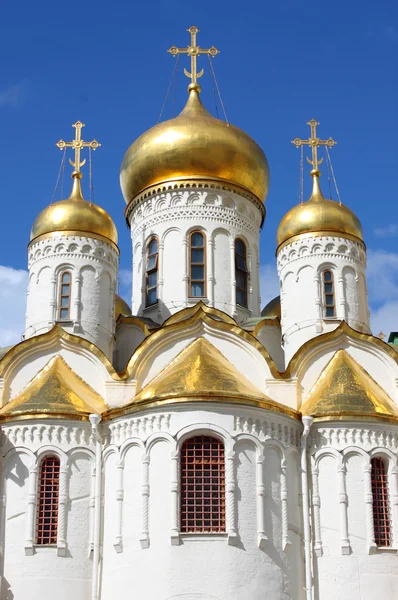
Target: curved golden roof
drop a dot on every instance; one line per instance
(272, 309)
(121, 307)
(318, 215)
(75, 214)
(344, 390)
(194, 145)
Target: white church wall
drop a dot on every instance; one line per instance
(270, 337)
(304, 320)
(346, 561)
(172, 215)
(128, 337)
(32, 570)
(93, 265)
(201, 564)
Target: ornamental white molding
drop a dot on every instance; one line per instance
(35, 435)
(270, 429)
(365, 436)
(318, 248)
(137, 427)
(70, 247)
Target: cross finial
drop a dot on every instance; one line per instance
(193, 51)
(77, 144)
(314, 142)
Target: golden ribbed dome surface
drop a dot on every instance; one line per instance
(194, 145)
(318, 215)
(75, 214)
(121, 307)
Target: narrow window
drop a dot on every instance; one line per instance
(47, 512)
(152, 272)
(381, 517)
(197, 265)
(241, 272)
(328, 292)
(64, 296)
(202, 476)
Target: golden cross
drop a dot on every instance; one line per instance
(193, 51)
(77, 144)
(314, 142)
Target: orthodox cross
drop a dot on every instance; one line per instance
(314, 142)
(193, 51)
(77, 144)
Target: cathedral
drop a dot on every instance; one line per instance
(198, 446)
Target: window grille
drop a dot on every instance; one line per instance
(241, 273)
(197, 265)
(152, 259)
(381, 516)
(202, 503)
(328, 293)
(47, 512)
(64, 296)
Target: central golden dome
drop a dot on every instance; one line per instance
(194, 145)
(75, 214)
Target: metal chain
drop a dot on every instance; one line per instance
(63, 176)
(217, 88)
(59, 174)
(175, 87)
(91, 175)
(301, 183)
(334, 178)
(329, 179)
(168, 89)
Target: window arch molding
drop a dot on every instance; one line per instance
(48, 499)
(381, 496)
(327, 278)
(64, 294)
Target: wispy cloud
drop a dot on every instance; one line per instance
(14, 95)
(388, 231)
(13, 285)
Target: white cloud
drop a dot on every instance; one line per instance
(388, 231)
(269, 283)
(385, 318)
(13, 284)
(382, 276)
(13, 95)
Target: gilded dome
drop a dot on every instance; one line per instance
(194, 145)
(75, 214)
(121, 307)
(318, 215)
(272, 309)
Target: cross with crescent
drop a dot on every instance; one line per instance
(193, 51)
(77, 144)
(314, 142)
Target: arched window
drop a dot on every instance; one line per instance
(197, 265)
(241, 272)
(47, 510)
(328, 294)
(152, 272)
(381, 513)
(202, 476)
(65, 282)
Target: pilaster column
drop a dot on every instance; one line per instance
(118, 543)
(343, 501)
(210, 271)
(184, 275)
(32, 499)
(370, 530)
(340, 298)
(286, 543)
(230, 493)
(77, 294)
(262, 538)
(233, 280)
(160, 271)
(91, 513)
(394, 501)
(175, 534)
(62, 506)
(53, 298)
(316, 506)
(144, 537)
(318, 303)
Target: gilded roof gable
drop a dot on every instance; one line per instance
(344, 390)
(56, 391)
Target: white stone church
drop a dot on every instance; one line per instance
(196, 447)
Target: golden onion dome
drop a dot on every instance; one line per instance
(121, 307)
(75, 215)
(272, 309)
(194, 145)
(318, 215)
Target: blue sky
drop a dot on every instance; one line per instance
(281, 63)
